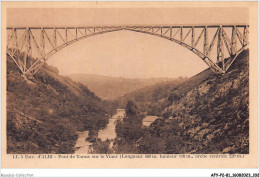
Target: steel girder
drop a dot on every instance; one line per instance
(30, 47)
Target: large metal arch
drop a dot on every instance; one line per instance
(205, 58)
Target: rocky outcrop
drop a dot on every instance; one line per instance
(207, 113)
(215, 112)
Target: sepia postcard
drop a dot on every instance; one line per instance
(129, 85)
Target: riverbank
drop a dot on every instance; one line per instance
(82, 146)
(108, 134)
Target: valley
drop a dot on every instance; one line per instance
(203, 114)
(111, 88)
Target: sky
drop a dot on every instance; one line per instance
(125, 53)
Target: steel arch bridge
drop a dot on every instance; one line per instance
(31, 47)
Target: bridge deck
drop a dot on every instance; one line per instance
(131, 26)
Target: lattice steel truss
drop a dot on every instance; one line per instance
(30, 47)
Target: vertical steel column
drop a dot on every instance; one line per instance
(181, 32)
(29, 47)
(54, 38)
(220, 50)
(234, 41)
(239, 35)
(12, 41)
(192, 36)
(9, 39)
(66, 34)
(26, 50)
(205, 47)
(16, 43)
(245, 36)
(42, 43)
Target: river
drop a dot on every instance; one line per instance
(84, 147)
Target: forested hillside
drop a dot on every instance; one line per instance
(206, 114)
(111, 88)
(147, 98)
(44, 113)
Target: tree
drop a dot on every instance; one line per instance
(131, 109)
(130, 129)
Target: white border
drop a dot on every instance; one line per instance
(128, 172)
